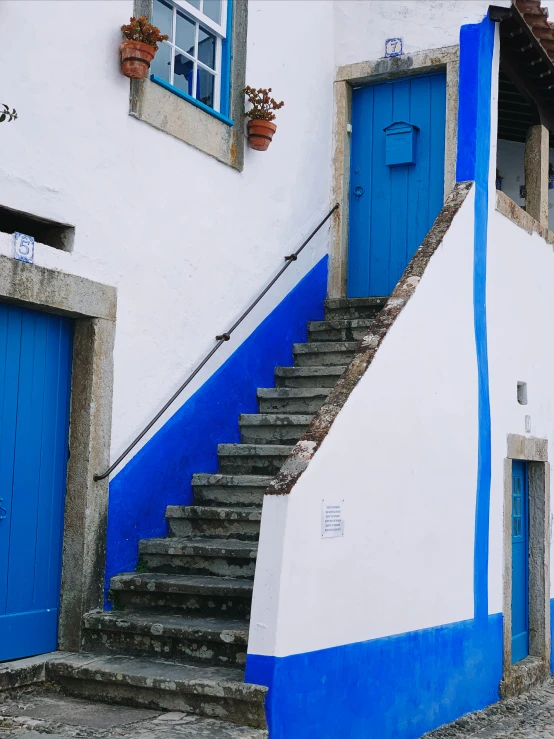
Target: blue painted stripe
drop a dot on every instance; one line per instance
(396, 687)
(192, 100)
(474, 135)
(226, 60)
(160, 473)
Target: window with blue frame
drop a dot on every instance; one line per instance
(194, 61)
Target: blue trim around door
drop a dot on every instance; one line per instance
(35, 381)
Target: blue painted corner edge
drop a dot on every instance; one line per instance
(473, 162)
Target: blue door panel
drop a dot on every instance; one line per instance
(27, 634)
(35, 378)
(392, 208)
(520, 561)
(53, 470)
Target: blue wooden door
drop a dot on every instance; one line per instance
(35, 376)
(396, 177)
(520, 561)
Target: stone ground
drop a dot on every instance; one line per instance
(531, 716)
(41, 713)
(44, 713)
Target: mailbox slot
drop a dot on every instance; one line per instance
(400, 143)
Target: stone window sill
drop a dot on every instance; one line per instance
(193, 101)
(171, 113)
(521, 218)
(163, 107)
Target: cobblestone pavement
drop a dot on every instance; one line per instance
(42, 713)
(530, 716)
(45, 714)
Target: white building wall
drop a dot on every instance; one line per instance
(520, 305)
(187, 240)
(362, 27)
(402, 454)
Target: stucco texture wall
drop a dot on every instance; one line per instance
(361, 27)
(187, 241)
(520, 303)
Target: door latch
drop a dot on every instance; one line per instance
(359, 191)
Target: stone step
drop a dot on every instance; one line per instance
(252, 459)
(318, 353)
(308, 376)
(348, 308)
(230, 490)
(211, 521)
(194, 594)
(273, 428)
(339, 330)
(178, 636)
(219, 557)
(216, 692)
(305, 400)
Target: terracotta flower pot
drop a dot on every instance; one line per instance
(136, 58)
(260, 133)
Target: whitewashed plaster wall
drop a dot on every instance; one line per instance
(362, 27)
(520, 306)
(402, 454)
(187, 240)
(511, 167)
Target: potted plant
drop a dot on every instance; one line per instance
(139, 47)
(260, 127)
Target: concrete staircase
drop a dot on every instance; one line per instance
(178, 635)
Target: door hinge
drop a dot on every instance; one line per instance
(348, 128)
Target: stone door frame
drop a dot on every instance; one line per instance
(93, 308)
(535, 667)
(363, 73)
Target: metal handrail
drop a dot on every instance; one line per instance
(221, 339)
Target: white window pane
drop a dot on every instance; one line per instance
(206, 47)
(162, 16)
(183, 73)
(161, 66)
(194, 3)
(184, 34)
(212, 8)
(205, 87)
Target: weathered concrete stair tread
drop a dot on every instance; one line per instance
(341, 303)
(313, 375)
(242, 481)
(324, 347)
(231, 489)
(335, 370)
(275, 419)
(158, 674)
(155, 623)
(156, 582)
(200, 547)
(258, 450)
(340, 323)
(214, 512)
(283, 393)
